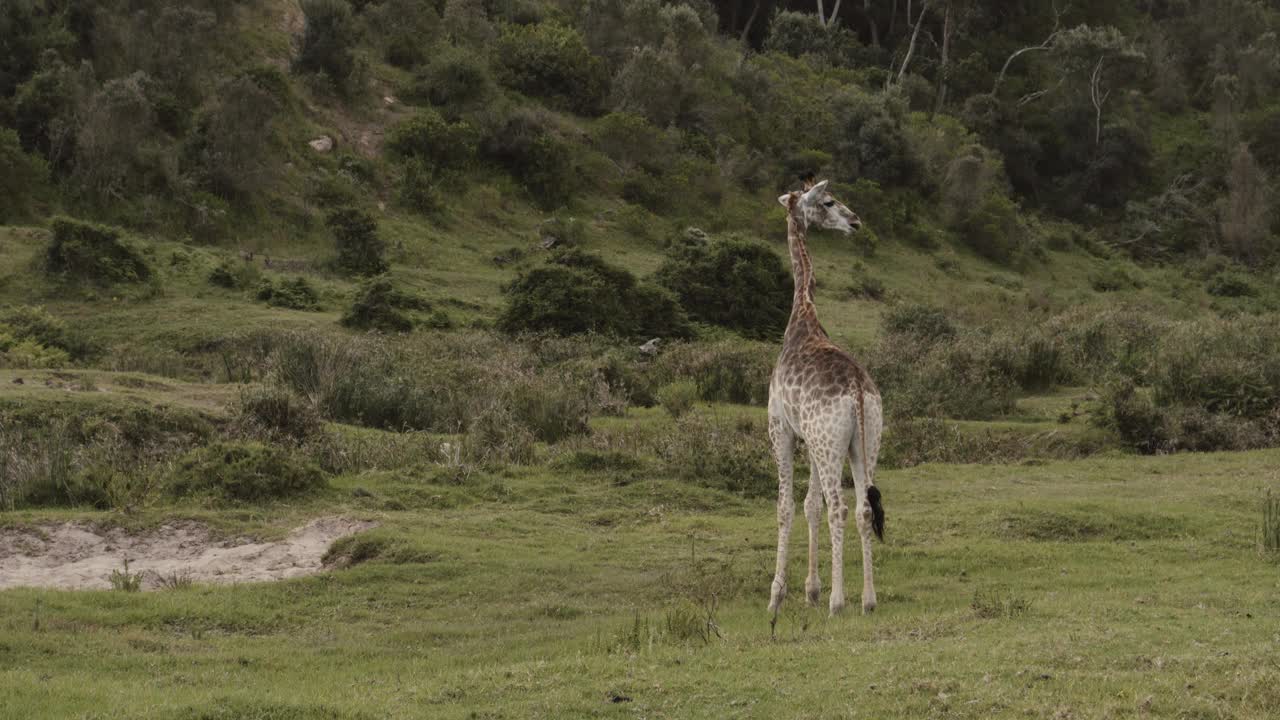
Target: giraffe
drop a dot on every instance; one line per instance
(818, 392)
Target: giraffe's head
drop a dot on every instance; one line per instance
(819, 207)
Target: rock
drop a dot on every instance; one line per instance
(322, 144)
(650, 348)
(389, 100)
(695, 236)
(19, 381)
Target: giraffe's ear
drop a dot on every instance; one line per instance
(815, 193)
(785, 200)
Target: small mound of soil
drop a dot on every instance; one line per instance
(78, 556)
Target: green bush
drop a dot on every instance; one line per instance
(737, 284)
(921, 321)
(35, 324)
(85, 251)
(535, 156)
(244, 472)
(233, 275)
(328, 40)
(420, 188)
(1231, 284)
(21, 177)
(456, 78)
(802, 33)
(722, 453)
(355, 233)
(428, 138)
(967, 377)
(378, 305)
(576, 292)
(678, 398)
(295, 294)
(993, 230)
(276, 414)
(552, 61)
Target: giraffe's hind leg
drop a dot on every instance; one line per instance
(863, 452)
(782, 438)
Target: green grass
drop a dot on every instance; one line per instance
(1108, 588)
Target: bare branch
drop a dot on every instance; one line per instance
(1047, 44)
(1098, 97)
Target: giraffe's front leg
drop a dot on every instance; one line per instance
(783, 440)
(813, 516)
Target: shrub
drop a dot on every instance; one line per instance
(921, 321)
(966, 377)
(229, 152)
(1133, 415)
(871, 140)
(233, 275)
(543, 163)
(993, 230)
(428, 138)
(355, 233)
(86, 251)
(1231, 284)
(420, 188)
(35, 324)
(576, 292)
(738, 284)
(276, 414)
(551, 61)
(802, 33)
(21, 177)
(456, 78)
(328, 40)
(678, 397)
(653, 84)
(721, 453)
(727, 371)
(378, 305)
(632, 142)
(244, 472)
(295, 294)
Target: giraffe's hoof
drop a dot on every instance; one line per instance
(836, 606)
(868, 607)
(812, 594)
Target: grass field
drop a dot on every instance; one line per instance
(1116, 587)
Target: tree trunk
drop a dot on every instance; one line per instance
(871, 22)
(915, 35)
(751, 19)
(944, 66)
(822, 14)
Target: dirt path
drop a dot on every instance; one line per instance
(77, 556)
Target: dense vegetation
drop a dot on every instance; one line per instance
(1141, 137)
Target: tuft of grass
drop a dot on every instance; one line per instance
(998, 603)
(125, 581)
(1271, 523)
(174, 580)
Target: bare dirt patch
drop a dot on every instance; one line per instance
(78, 556)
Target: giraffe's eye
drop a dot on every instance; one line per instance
(829, 203)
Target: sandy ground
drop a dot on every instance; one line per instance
(77, 556)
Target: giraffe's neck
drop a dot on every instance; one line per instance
(804, 314)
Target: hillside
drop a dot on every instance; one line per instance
(390, 264)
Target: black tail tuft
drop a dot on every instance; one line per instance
(877, 511)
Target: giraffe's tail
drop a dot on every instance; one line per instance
(877, 511)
